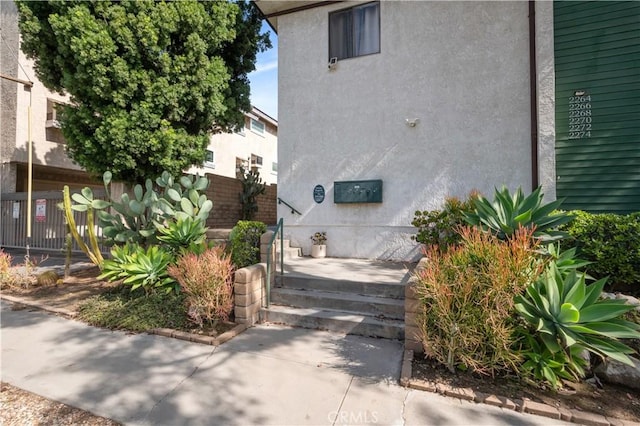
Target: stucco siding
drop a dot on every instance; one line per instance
(461, 69)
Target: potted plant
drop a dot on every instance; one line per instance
(319, 247)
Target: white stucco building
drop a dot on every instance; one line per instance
(432, 98)
(49, 158)
(255, 147)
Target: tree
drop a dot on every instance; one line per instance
(148, 80)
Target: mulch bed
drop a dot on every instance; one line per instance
(612, 401)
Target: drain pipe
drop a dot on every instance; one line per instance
(533, 87)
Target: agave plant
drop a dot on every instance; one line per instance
(140, 268)
(509, 212)
(564, 311)
(544, 365)
(182, 234)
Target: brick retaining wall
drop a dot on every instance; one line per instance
(411, 309)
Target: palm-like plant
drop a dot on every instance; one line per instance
(564, 312)
(509, 212)
(140, 268)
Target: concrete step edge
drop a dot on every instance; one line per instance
(376, 289)
(334, 314)
(334, 321)
(339, 296)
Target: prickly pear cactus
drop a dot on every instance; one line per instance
(136, 217)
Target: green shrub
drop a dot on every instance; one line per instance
(123, 309)
(468, 318)
(440, 227)
(567, 315)
(207, 283)
(140, 267)
(507, 213)
(244, 242)
(612, 243)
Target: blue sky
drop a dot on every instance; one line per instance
(264, 80)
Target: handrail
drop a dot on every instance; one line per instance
(280, 230)
(293, 210)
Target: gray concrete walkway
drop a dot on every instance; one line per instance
(269, 375)
(343, 269)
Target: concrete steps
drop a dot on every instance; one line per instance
(347, 302)
(366, 288)
(289, 252)
(336, 321)
(314, 293)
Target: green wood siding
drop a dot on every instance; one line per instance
(597, 62)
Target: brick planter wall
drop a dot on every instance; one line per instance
(411, 308)
(250, 290)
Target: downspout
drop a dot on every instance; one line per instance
(533, 83)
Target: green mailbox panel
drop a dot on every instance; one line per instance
(357, 191)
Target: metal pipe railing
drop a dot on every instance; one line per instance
(293, 210)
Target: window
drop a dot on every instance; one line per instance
(354, 31)
(256, 160)
(274, 168)
(257, 126)
(209, 159)
(52, 116)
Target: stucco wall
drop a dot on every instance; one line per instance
(228, 146)
(8, 93)
(546, 98)
(45, 152)
(462, 69)
(15, 105)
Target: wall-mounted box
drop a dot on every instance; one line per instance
(357, 191)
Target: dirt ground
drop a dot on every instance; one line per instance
(612, 401)
(22, 408)
(67, 294)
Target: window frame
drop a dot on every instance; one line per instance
(261, 131)
(211, 164)
(350, 10)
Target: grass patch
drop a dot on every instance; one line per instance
(135, 311)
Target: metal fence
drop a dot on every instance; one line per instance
(48, 226)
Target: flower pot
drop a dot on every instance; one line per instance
(318, 250)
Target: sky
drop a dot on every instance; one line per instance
(264, 80)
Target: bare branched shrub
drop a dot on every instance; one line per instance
(207, 282)
(467, 293)
(20, 275)
(5, 269)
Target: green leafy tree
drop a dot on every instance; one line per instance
(147, 79)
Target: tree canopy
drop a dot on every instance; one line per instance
(148, 80)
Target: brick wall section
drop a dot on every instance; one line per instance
(250, 286)
(225, 194)
(412, 307)
(268, 206)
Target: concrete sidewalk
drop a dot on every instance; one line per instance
(269, 375)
